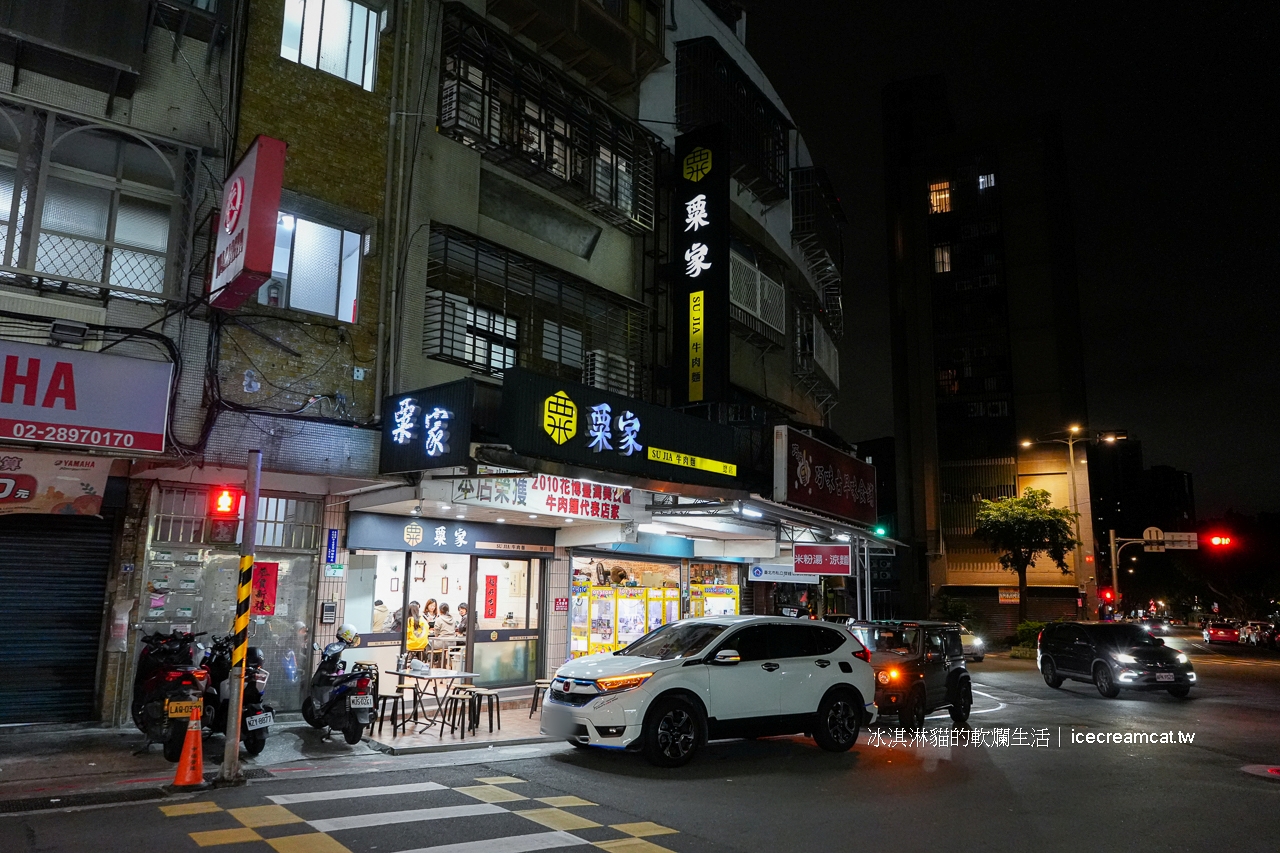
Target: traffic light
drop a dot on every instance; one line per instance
(881, 530)
(1220, 540)
(224, 514)
(1107, 594)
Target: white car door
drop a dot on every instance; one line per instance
(749, 688)
(806, 671)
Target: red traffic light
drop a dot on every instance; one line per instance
(1219, 539)
(1107, 594)
(224, 502)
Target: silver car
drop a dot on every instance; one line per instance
(974, 649)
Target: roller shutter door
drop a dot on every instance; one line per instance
(53, 578)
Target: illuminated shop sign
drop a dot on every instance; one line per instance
(426, 429)
(814, 475)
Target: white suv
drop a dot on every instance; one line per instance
(716, 677)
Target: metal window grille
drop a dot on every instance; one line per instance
(180, 515)
(491, 308)
(520, 113)
(757, 294)
(940, 197)
(942, 259)
(86, 207)
(283, 522)
(711, 88)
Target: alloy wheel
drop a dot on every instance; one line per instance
(676, 735)
(842, 722)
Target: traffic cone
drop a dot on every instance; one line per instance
(191, 765)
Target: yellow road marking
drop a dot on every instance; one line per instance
(630, 845)
(499, 780)
(256, 816)
(312, 842)
(561, 802)
(490, 794)
(556, 819)
(225, 836)
(181, 809)
(643, 829)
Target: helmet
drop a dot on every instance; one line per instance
(348, 634)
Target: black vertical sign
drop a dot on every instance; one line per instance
(700, 222)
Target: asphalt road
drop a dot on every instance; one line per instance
(784, 794)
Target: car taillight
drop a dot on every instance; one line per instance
(362, 685)
(864, 654)
(1039, 634)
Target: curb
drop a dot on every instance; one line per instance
(387, 749)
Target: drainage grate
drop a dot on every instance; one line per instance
(100, 798)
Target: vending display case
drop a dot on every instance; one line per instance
(714, 599)
(630, 604)
(603, 625)
(579, 619)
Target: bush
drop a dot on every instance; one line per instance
(1028, 632)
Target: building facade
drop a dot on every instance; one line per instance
(986, 344)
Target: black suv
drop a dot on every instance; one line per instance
(919, 668)
(1112, 656)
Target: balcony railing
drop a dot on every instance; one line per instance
(760, 298)
(816, 218)
(816, 360)
(711, 89)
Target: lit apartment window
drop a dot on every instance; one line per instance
(986, 182)
(336, 36)
(942, 258)
(940, 197)
(461, 332)
(316, 269)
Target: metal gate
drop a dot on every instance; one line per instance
(53, 579)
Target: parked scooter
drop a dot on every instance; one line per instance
(255, 716)
(339, 699)
(166, 687)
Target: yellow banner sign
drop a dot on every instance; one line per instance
(697, 305)
(687, 460)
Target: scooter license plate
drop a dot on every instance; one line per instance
(259, 721)
(182, 709)
(361, 702)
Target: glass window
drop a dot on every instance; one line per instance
(792, 641)
(315, 268)
(673, 641)
(751, 643)
(335, 36)
(562, 344)
(942, 258)
(935, 642)
(940, 197)
(455, 330)
(986, 182)
(826, 640)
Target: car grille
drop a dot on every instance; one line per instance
(577, 700)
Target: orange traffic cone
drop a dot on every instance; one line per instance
(191, 765)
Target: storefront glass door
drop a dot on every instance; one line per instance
(507, 620)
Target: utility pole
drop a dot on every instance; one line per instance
(1115, 564)
(230, 773)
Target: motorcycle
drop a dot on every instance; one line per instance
(166, 688)
(255, 717)
(340, 699)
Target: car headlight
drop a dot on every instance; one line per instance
(1183, 658)
(1123, 658)
(616, 683)
(882, 677)
(977, 641)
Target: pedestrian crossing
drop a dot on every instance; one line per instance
(497, 814)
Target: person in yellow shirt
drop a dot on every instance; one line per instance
(416, 632)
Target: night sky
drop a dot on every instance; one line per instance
(1169, 113)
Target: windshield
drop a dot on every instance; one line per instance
(1129, 636)
(900, 641)
(674, 641)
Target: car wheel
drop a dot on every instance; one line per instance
(673, 731)
(912, 713)
(979, 658)
(960, 710)
(1103, 680)
(839, 719)
(1181, 691)
(1050, 673)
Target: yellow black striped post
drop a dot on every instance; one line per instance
(241, 629)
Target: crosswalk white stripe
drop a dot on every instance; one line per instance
(360, 821)
(509, 844)
(349, 793)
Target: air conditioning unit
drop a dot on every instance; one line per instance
(609, 372)
(37, 331)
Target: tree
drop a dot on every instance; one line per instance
(1021, 529)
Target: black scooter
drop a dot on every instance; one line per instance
(166, 687)
(339, 699)
(255, 716)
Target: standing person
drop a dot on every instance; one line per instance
(463, 625)
(416, 632)
(381, 617)
(430, 612)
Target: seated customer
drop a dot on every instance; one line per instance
(462, 619)
(445, 624)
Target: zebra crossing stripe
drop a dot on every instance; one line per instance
(379, 791)
(360, 821)
(508, 844)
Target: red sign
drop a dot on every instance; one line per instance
(491, 596)
(247, 238)
(50, 483)
(262, 597)
(562, 605)
(823, 559)
(811, 474)
(87, 399)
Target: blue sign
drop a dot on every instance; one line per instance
(331, 551)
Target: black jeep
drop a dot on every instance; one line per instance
(919, 668)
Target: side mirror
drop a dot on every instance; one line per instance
(726, 657)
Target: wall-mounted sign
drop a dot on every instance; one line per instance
(331, 547)
(262, 593)
(823, 559)
(86, 399)
(546, 494)
(779, 573)
(576, 424)
(376, 532)
(811, 474)
(562, 605)
(247, 227)
(1008, 594)
(51, 483)
(700, 212)
(427, 429)
(491, 597)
